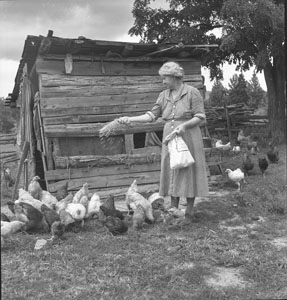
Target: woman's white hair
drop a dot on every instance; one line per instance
(171, 69)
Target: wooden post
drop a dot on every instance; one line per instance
(26, 179)
(23, 157)
(227, 120)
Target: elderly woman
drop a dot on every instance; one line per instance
(181, 107)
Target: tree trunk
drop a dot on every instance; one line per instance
(275, 81)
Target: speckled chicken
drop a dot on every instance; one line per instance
(157, 202)
(84, 191)
(273, 154)
(62, 191)
(138, 217)
(33, 219)
(48, 199)
(133, 198)
(66, 218)
(34, 188)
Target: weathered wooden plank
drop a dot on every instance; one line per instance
(92, 129)
(100, 90)
(96, 110)
(147, 150)
(65, 174)
(105, 68)
(98, 100)
(74, 146)
(89, 91)
(56, 80)
(120, 192)
(49, 156)
(91, 58)
(86, 118)
(129, 143)
(62, 162)
(109, 181)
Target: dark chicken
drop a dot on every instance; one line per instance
(57, 229)
(247, 164)
(263, 165)
(50, 215)
(115, 225)
(62, 192)
(112, 212)
(4, 218)
(273, 154)
(110, 203)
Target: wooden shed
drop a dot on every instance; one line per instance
(67, 89)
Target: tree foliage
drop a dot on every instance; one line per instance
(7, 118)
(252, 33)
(217, 94)
(256, 93)
(238, 90)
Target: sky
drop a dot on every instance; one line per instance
(94, 19)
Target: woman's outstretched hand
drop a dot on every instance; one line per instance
(124, 120)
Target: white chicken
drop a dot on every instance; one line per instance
(84, 191)
(133, 198)
(236, 149)
(236, 176)
(157, 202)
(94, 205)
(25, 197)
(8, 228)
(48, 199)
(219, 145)
(84, 201)
(34, 188)
(77, 211)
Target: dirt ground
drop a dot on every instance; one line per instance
(237, 250)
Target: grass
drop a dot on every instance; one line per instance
(159, 264)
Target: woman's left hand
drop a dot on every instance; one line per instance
(180, 129)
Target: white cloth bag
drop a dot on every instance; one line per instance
(180, 156)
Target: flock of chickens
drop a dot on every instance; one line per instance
(37, 210)
(251, 147)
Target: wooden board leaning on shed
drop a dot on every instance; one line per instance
(110, 68)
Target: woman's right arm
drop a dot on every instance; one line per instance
(140, 119)
(149, 116)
